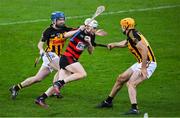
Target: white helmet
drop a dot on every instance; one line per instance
(92, 23)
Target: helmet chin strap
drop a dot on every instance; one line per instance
(124, 32)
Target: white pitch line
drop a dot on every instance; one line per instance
(107, 13)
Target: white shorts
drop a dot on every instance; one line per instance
(150, 69)
(46, 61)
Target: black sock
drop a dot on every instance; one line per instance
(109, 99)
(61, 82)
(44, 96)
(18, 87)
(134, 106)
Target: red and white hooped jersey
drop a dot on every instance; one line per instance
(77, 45)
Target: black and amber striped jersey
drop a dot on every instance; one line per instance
(77, 45)
(55, 39)
(133, 37)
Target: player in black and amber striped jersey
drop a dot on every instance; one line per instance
(133, 38)
(55, 37)
(137, 73)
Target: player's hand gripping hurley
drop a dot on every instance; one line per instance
(40, 57)
(99, 10)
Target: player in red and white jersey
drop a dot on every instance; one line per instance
(70, 68)
(69, 61)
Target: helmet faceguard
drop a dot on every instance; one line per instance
(91, 23)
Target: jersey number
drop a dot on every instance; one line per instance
(80, 46)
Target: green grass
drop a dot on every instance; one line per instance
(159, 96)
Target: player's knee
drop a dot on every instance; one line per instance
(127, 84)
(131, 84)
(121, 79)
(81, 75)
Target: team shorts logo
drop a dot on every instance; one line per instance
(80, 46)
(51, 55)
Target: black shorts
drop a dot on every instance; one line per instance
(66, 60)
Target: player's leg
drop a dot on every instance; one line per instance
(50, 90)
(121, 79)
(64, 74)
(42, 73)
(45, 69)
(54, 64)
(67, 73)
(134, 81)
(77, 71)
(41, 99)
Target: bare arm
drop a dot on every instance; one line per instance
(71, 33)
(40, 47)
(121, 44)
(100, 32)
(90, 49)
(144, 51)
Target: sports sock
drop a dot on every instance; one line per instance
(44, 96)
(134, 106)
(109, 99)
(61, 83)
(18, 87)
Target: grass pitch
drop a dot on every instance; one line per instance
(21, 24)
